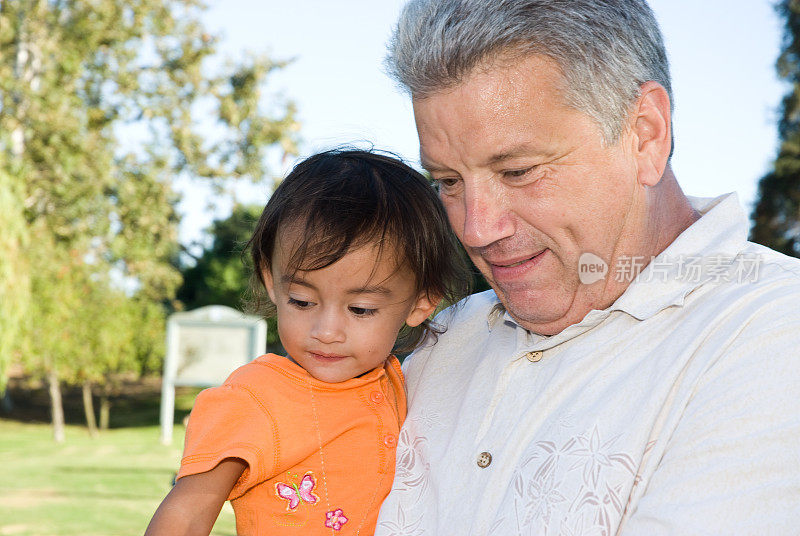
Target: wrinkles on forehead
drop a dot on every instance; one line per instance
(477, 123)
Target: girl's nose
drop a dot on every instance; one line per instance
(328, 327)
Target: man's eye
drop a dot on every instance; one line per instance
(516, 173)
(446, 184)
(362, 311)
(301, 304)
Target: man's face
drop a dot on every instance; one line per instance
(529, 186)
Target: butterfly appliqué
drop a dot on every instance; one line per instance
(297, 493)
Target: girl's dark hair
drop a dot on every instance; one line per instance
(345, 199)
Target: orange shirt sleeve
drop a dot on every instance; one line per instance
(230, 422)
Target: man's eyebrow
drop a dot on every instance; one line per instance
(516, 151)
(429, 166)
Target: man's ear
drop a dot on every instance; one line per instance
(652, 128)
(423, 308)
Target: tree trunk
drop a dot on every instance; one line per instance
(88, 409)
(56, 407)
(7, 404)
(105, 408)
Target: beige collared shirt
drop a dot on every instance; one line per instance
(674, 411)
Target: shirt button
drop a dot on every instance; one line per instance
(484, 459)
(390, 441)
(376, 397)
(534, 357)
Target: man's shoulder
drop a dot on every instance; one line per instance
(762, 305)
(771, 281)
(772, 266)
(471, 311)
(460, 325)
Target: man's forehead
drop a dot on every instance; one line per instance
(501, 71)
(499, 114)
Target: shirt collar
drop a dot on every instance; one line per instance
(497, 312)
(703, 252)
(714, 239)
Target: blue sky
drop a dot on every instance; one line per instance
(722, 55)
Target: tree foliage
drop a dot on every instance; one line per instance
(14, 280)
(220, 275)
(776, 216)
(103, 105)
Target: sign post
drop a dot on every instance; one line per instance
(203, 347)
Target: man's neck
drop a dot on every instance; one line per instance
(670, 215)
(664, 213)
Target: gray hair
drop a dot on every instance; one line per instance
(606, 49)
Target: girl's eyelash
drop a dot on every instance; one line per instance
(358, 311)
(362, 311)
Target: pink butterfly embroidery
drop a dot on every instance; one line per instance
(294, 493)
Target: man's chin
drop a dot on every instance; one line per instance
(539, 312)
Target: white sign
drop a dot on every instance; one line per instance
(203, 347)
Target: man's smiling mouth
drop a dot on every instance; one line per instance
(513, 264)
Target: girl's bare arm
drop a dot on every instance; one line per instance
(192, 506)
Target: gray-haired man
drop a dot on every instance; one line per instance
(635, 368)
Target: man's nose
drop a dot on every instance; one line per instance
(487, 218)
(328, 326)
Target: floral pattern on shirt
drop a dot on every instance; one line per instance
(412, 467)
(401, 526)
(578, 486)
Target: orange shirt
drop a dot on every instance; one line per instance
(320, 456)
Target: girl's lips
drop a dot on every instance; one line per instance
(513, 270)
(326, 357)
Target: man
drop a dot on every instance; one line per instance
(634, 369)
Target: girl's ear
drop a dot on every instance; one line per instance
(269, 283)
(423, 308)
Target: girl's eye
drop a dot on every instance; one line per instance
(362, 311)
(301, 304)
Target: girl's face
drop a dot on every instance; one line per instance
(342, 321)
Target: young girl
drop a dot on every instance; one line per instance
(352, 248)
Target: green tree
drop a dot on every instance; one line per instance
(103, 104)
(219, 275)
(51, 333)
(776, 215)
(14, 280)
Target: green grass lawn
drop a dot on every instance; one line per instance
(108, 486)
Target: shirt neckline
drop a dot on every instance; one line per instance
(293, 369)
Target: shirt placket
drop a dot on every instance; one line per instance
(531, 350)
(386, 404)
